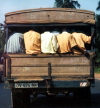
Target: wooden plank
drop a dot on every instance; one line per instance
(8, 67)
(30, 71)
(50, 16)
(70, 70)
(29, 79)
(54, 78)
(43, 71)
(69, 79)
(36, 68)
(4, 67)
(52, 60)
(42, 55)
(42, 79)
(54, 75)
(52, 9)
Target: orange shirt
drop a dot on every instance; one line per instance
(32, 42)
(65, 42)
(81, 39)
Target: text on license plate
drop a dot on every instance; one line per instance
(26, 85)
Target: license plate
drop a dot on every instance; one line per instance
(26, 85)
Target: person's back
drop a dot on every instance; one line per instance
(65, 42)
(48, 43)
(32, 42)
(81, 39)
(14, 44)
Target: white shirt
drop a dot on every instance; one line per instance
(48, 42)
(13, 44)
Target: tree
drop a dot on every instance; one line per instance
(66, 4)
(98, 8)
(98, 33)
(2, 40)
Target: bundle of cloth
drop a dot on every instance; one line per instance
(48, 42)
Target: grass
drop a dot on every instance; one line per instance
(97, 70)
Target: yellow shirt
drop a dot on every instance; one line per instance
(48, 43)
(81, 39)
(65, 42)
(32, 42)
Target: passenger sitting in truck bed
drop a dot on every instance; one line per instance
(32, 42)
(81, 39)
(14, 44)
(66, 42)
(49, 42)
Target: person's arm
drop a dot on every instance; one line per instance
(86, 39)
(80, 50)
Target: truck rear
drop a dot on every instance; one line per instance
(49, 73)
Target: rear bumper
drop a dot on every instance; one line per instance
(49, 84)
(71, 84)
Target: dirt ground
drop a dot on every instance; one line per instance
(97, 75)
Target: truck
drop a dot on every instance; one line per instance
(49, 74)
(1, 73)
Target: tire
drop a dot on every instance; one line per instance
(83, 93)
(20, 99)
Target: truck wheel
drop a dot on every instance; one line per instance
(83, 93)
(20, 99)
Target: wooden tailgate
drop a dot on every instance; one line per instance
(29, 67)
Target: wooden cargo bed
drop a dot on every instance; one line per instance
(37, 67)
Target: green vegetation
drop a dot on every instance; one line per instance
(97, 70)
(98, 8)
(97, 45)
(97, 42)
(2, 40)
(66, 4)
